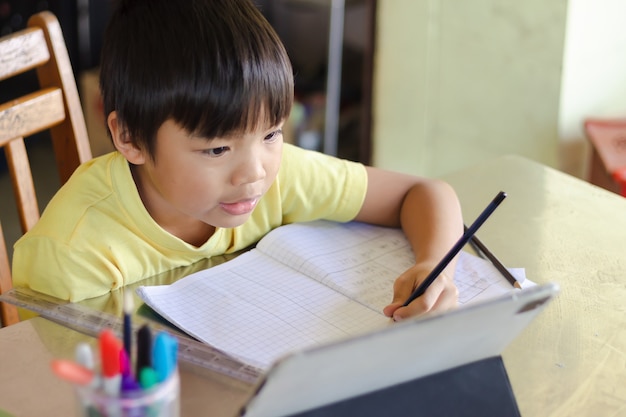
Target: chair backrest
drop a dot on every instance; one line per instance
(55, 106)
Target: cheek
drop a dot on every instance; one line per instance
(190, 183)
(274, 165)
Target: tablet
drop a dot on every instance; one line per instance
(405, 351)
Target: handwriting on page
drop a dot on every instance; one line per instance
(362, 261)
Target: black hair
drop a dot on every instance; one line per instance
(213, 66)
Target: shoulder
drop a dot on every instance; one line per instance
(92, 179)
(296, 159)
(315, 185)
(90, 189)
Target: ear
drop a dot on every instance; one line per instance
(123, 143)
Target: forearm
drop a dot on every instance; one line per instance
(430, 215)
(431, 219)
(428, 211)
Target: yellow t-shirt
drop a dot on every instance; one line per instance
(95, 235)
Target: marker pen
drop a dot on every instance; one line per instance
(144, 349)
(72, 372)
(128, 383)
(110, 348)
(164, 355)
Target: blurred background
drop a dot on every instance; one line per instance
(426, 87)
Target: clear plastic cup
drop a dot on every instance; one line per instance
(162, 400)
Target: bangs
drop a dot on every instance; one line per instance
(253, 91)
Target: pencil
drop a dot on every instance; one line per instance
(481, 249)
(469, 232)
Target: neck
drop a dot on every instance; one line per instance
(192, 231)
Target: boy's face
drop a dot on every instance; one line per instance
(193, 182)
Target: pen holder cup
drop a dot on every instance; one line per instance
(162, 400)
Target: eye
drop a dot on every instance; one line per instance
(272, 137)
(216, 151)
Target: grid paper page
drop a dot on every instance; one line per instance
(258, 311)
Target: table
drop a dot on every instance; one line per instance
(569, 361)
(29, 387)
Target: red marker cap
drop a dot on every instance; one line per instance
(110, 347)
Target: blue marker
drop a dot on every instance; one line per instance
(164, 354)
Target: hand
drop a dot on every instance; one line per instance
(441, 295)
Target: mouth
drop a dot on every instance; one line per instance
(240, 207)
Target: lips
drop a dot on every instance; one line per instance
(240, 207)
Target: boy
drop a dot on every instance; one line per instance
(195, 93)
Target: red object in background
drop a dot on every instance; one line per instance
(608, 159)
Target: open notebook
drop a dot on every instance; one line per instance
(304, 285)
(439, 365)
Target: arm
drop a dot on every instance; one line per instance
(429, 213)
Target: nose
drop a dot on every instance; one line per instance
(250, 169)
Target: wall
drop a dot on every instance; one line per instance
(457, 83)
(594, 69)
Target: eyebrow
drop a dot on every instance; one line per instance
(263, 126)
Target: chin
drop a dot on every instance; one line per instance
(231, 222)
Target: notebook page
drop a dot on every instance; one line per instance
(362, 261)
(258, 310)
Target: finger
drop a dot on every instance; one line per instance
(403, 286)
(417, 307)
(440, 295)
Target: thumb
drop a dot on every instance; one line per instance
(401, 293)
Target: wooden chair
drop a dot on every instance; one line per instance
(55, 107)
